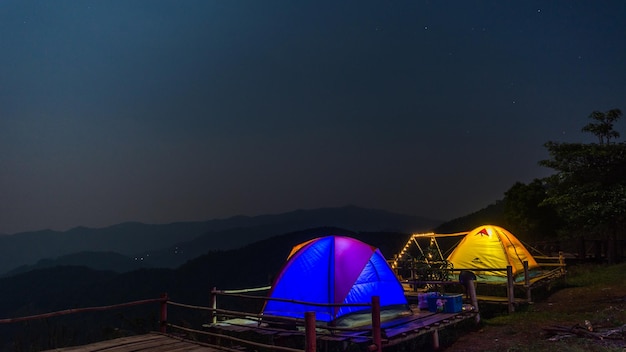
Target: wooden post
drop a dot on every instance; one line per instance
(562, 262)
(436, 339)
(510, 288)
(309, 330)
(376, 332)
(473, 298)
(214, 305)
(413, 278)
(597, 250)
(527, 282)
(582, 251)
(163, 321)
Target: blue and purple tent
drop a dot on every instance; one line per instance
(333, 270)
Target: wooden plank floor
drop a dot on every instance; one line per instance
(430, 321)
(412, 296)
(154, 342)
(394, 330)
(500, 300)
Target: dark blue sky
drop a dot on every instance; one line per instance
(161, 111)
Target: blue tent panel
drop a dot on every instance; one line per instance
(304, 278)
(376, 279)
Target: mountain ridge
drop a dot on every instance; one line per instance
(137, 239)
(105, 261)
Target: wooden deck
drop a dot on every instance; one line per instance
(500, 300)
(394, 330)
(546, 278)
(426, 324)
(153, 342)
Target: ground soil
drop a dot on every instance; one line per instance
(604, 307)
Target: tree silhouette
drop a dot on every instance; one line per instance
(588, 190)
(526, 213)
(603, 129)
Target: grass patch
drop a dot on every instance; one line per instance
(593, 276)
(596, 293)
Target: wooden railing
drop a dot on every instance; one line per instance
(309, 321)
(309, 325)
(556, 263)
(162, 300)
(163, 303)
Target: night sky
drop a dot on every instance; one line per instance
(162, 111)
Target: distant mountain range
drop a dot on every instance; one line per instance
(171, 245)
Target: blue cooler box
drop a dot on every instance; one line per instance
(451, 303)
(432, 302)
(454, 303)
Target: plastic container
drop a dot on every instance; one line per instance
(423, 299)
(453, 303)
(445, 303)
(435, 302)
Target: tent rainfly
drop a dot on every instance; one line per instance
(491, 247)
(333, 270)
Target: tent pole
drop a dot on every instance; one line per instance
(420, 248)
(438, 249)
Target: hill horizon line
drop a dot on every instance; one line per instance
(225, 218)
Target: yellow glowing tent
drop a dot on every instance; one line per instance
(491, 247)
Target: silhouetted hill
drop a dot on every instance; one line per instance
(492, 214)
(47, 289)
(170, 245)
(106, 261)
(69, 287)
(351, 217)
(254, 264)
(128, 239)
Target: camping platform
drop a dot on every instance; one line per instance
(500, 300)
(412, 296)
(497, 292)
(393, 331)
(503, 269)
(429, 323)
(153, 342)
